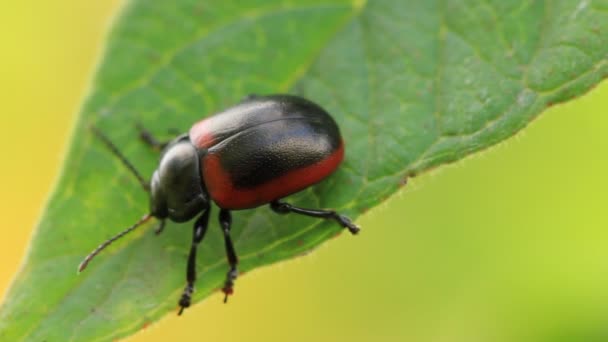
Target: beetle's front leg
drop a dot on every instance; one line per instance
(200, 228)
(225, 222)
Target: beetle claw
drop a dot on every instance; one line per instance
(347, 223)
(228, 291)
(228, 288)
(160, 227)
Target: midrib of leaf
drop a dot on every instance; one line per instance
(356, 8)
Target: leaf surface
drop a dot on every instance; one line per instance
(413, 85)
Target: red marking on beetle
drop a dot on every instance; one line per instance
(145, 325)
(227, 196)
(201, 134)
(228, 291)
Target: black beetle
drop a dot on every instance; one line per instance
(257, 152)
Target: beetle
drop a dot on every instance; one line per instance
(255, 153)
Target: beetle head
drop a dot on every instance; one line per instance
(176, 189)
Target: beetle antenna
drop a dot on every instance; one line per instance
(110, 145)
(101, 247)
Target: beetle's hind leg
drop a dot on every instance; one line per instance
(284, 208)
(149, 139)
(225, 223)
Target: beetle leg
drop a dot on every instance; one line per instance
(225, 222)
(148, 138)
(200, 228)
(284, 208)
(161, 226)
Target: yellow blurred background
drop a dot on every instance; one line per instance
(510, 245)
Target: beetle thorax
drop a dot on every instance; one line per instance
(177, 189)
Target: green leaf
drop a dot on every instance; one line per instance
(412, 84)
